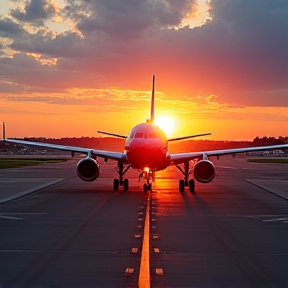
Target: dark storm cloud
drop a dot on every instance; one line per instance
(10, 29)
(66, 45)
(243, 47)
(34, 10)
(129, 18)
(26, 71)
(254, 39)
(241, 50)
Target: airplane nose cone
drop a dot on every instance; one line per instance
(146, 156)
(151, 144)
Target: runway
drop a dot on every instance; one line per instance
(230, 233)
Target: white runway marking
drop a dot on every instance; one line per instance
(277, 187)
(270, 218)
(28, 191)
(10, 215)
(276, 219)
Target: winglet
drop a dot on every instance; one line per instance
(3, 135)
(151, 120)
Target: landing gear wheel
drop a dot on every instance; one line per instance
(116, 184)
(125, 184)
(181, 185)
(192, 185)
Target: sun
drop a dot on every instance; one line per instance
(166, 123)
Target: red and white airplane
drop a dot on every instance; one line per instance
(146, 150)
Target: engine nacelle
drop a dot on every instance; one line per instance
(88, 169)
(204, 171)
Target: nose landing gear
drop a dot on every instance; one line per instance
(147, 186)
(147, 174)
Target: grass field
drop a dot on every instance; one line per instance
(269, 160)
(20, 162)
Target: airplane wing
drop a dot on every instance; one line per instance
(178, 158)
(90, 152)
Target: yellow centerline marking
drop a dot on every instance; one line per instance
(144, 275)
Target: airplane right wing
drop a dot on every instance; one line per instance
(178, 158)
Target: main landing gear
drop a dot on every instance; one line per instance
(184, 182)
(147, 174)
(122, 182)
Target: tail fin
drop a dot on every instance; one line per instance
(3, 135)
(151, 120)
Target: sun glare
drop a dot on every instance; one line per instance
(166, 123)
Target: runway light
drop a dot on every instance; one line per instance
(159, 271)
(129, 271)
(134, 250)
(156, 250)
(155, 236)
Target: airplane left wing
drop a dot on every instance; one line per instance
(90, 152)
(178, 158)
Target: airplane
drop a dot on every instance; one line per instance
(147, 151)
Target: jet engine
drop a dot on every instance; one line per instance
(204, 171)
(88, 169)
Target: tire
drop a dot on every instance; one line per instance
(126, 184)
(115, 184)
(192, 185)
(181, 185)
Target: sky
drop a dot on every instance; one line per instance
(71, 67)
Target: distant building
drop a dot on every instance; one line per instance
(267, 153)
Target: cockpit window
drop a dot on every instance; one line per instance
(152, 135)
(146, 135)
(138, 135)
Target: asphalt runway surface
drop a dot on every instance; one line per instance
(230, 233)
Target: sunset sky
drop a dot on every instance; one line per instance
(71, 67)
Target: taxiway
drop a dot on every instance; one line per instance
(63, 232)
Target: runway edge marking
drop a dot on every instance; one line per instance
(31, 190)
(257, 183)
(144, 275)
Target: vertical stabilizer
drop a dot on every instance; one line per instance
(3, 135)
(151, 120)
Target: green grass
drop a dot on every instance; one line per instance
(269, 160)
(15, 163)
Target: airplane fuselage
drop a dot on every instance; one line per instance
(146, 147)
